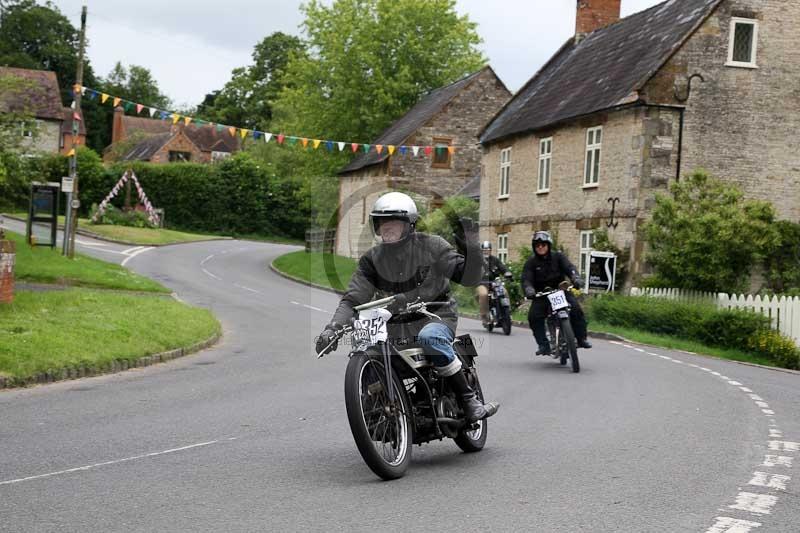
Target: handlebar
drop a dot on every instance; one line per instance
(563, 286)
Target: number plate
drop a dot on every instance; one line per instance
(558, 300)
(505, 302)
(371, 326)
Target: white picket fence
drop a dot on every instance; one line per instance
(783, 312)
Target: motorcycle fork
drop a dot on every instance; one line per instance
(387, 365)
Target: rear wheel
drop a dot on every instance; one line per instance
(382, 429)
(570, 345)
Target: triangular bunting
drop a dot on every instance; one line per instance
(243, 132)
(403, 150)
(71, 153)
(187, 120)
(415, 150)
(127, 106)
(341, 146)
(304, 141)
(117, 101)
(175, 118)
(292, 141)
(220, 127)
(365, 147)
(267, 137)
(379, 148)
(103, 98)
(354, 147)
(139, 108)
(428, 150)
(329, 145)
(153, 112)
(281, 137)
(256, 134)
(316, 143)
(391, 149)
(451, 150)
(232, 131)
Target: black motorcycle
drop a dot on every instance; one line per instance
(499, 306)
(563, 345)
(395, 398)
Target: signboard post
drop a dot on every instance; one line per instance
(602, 272)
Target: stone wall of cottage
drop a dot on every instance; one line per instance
(460, 121)
(741, 123)
(639, 153)
(48, 137)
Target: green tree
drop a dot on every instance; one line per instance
(135, 84)
(247, 99)
(706, 236)
(783, 263)
(370, 61)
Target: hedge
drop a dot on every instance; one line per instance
(704, 323)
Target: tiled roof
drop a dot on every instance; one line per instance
(472, 189)
(42, 98)
(145, 150)
(602, 71)
(206, 137)
(409, 123)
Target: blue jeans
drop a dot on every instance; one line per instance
(436, 341)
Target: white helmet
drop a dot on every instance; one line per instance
(397, 206)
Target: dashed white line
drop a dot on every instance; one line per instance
(777, 460)
(117, 461)
(315, 308)
(212, 275)
(784, 446)
(772, 481)
(754, 503)
(203, 262)
(727, 524)
(130, 250)
(246, 288)
(134, 254)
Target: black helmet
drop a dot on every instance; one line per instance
(486, 245)
(541, 236)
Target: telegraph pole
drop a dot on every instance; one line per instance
(72, 222)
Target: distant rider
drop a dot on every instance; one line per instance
(411, 266)
(547, 268)
(492, 268)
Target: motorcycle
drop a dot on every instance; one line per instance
(395, 398)
(563, 345)
(499, 306)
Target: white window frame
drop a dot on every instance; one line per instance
(585, 244)
(545, 165)
(505, 173)
(594, 152)
(732, 39)
(502, 247)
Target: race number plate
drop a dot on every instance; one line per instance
(558, 300)
(371, 326)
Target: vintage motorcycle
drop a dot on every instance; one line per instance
(563, 345)
(499, 306)
(395, 398)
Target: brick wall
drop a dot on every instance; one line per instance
(180, 143)
(741, 123)
(7, 256)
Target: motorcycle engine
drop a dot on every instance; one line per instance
(446, 408)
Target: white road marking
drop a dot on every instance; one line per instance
(295, 303)
(784, 446)
(765, 405)
(677, 362)
(744, 389)
(772, 481)
(736, 383)
(212, 275)
(777, 460)
(716, 374)
(704, 369)
(726, 524)
(134, 254)
(129, 250)
(756, 397)
(653, 354)
(768, 411)
(117, 461)
(246, 288)
(775, 433)
(754, 503)
(726, 378)
(85, 243)
(665, 357)
(315, 308)
(203, 262)
(639, 350)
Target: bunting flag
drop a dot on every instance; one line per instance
(71, 152)
(76, 116)
(152, 216)
(280, 138)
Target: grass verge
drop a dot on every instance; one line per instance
(322, 269)
(55, 330)
(47, 265)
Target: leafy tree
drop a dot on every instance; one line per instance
(12, 183)
(783, 263)
(706, 236)
(444, 220)
(135, 84)
(247, 99)
(370, 61)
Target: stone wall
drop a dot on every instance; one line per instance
(48, 138)
(741, 123)
(180, 143)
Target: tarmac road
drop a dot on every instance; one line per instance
(252, 434)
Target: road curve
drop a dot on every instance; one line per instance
(252, 435)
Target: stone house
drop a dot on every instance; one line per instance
(447, 119)
(51, 129)
(161, 141)
(627, 107)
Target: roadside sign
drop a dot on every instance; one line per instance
(602, 271)
(67, 184)
(75, 204)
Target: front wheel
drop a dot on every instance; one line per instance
(382, 429)
(570, 345)
(506, 321)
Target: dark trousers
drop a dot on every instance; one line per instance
(538, 313)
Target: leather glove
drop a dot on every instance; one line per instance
(530, 293)
(325, 338)
(466, 235)
(399, 304)
(578, 283)
(509, 275)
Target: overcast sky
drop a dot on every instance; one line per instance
(191, 46)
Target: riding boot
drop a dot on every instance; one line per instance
(473, 409)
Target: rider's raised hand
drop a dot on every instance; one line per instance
(327, 336)
(466, 235)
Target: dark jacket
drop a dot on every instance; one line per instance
(493, 267)
(420, 267)
(546, 271)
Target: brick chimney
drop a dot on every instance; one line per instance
(117, 129)
(595, 14)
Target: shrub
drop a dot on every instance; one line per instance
(118, 217)
(776, 347)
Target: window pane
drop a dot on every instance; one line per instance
(588, 173)
(547, 174)
(596, 172)
(743, 43)
(590, 138)
(598, 136)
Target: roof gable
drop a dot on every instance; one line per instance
(404, 127)
(602, 71)
(42, 99)
(206, 137)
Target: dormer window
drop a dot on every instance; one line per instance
(743, 43)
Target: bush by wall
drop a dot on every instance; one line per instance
(704, 323)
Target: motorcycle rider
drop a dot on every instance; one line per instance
(492, 268)
(547, 268)
(411, 266)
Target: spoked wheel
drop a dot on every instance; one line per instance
(473, 438)
(382, 430)
(570, 345)
(557, 343)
